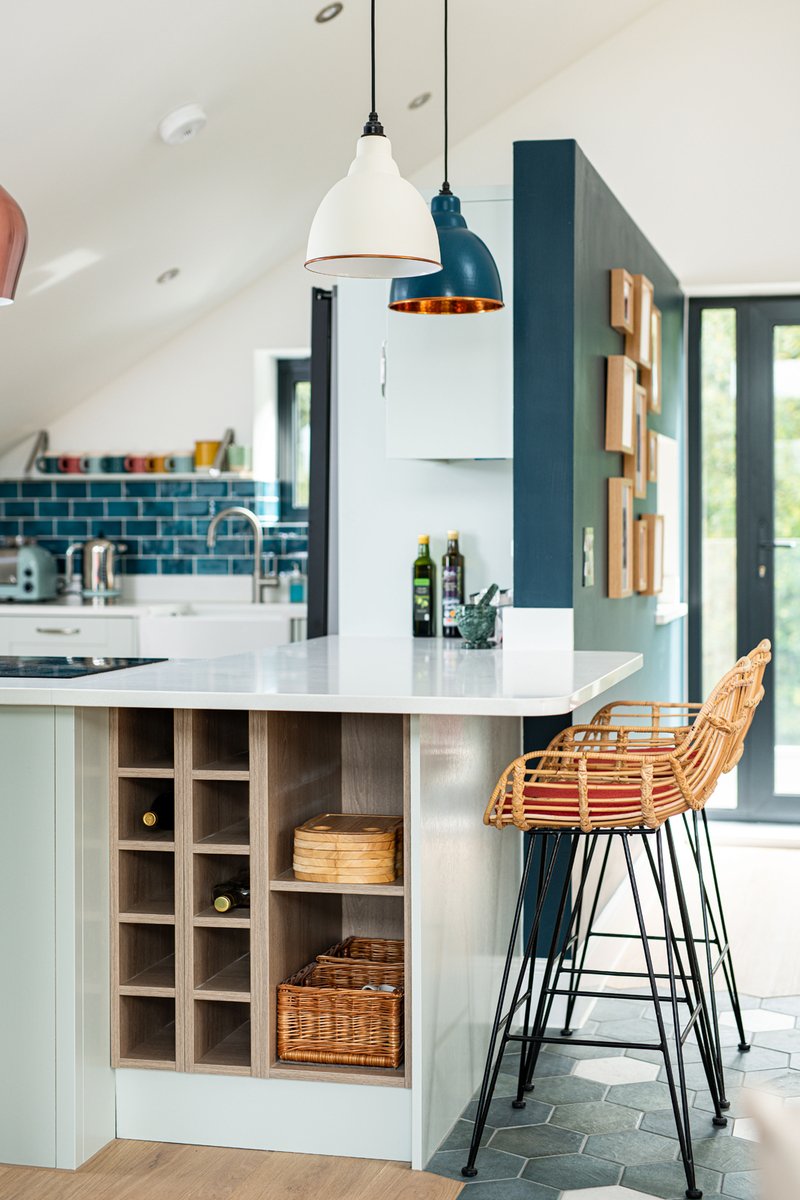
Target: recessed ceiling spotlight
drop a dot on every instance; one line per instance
(419, 100)
(182, 125)
(328, 12)
(168, 276)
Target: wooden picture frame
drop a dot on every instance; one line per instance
(638, 343)
(621, 300)
(620, 404)
(655, 553)
(620, 538)
(652, 377)
(635, 465)
(640, 556)
(652, 456)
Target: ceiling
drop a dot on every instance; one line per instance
(110, 207)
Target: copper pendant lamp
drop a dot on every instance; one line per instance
(13, 243)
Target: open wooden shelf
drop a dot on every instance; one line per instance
(195, 990)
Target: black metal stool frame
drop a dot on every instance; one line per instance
(535, 1035)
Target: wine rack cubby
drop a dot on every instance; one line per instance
(194, 990)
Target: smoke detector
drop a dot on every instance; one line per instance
(182, 125)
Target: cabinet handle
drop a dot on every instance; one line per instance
(55, 629)
(383, 370)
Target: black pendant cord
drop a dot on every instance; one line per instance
(373, 125)
(445, 188)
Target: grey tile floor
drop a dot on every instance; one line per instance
(598, 1125)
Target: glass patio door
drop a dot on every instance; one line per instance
(745, 530)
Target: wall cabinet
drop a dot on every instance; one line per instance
(448, 380)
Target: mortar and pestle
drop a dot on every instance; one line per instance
(476, 622)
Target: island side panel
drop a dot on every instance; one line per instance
(465, 878)
(27, 938)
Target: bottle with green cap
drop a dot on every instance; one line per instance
(452, 585)
(234, 893)
(424, 591)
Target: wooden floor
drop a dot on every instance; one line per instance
(150, 1171)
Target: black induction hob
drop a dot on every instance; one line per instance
(66, 668)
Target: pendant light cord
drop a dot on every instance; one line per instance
(373, 125)
(445, 188)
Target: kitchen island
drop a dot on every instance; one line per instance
(129, 1009)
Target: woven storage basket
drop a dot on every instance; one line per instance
(348, 848)
(376, 950)
(325, 1017)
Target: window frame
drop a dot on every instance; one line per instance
(291, 371)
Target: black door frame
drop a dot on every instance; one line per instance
(755, 318)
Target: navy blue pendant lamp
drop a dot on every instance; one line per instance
(469, 281)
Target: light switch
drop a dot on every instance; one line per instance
(588, 556)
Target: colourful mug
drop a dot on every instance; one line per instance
(182, 462)
(94, 464)
(136, 464)
(115, 464)
(158, 464)
(47, 464)
(70, 464)
(205, 454)
(240, 458)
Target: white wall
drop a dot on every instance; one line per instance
(385, 503)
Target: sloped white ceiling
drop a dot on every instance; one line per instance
(85, 84)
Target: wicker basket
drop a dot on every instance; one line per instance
(376, 950)
(324, 1016)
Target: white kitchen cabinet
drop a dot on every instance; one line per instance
(62, 633)
(211, 635)
(448, 380)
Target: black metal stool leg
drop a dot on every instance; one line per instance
(730, 975)
(492, 1069)
(566, 1030)
(577, 976)
(532, 970)
(678, 1096)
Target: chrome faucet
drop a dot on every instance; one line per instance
(260, 579)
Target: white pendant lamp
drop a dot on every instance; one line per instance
(373, 224)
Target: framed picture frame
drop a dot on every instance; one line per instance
(620, 404)
(652, 377)
(638, 343)
(635, 465)
(620, 538)
(652, 456)
(655, 553)
(621, 300)
(640, 556)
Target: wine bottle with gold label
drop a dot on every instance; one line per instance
(161, 813)
(424, 591)
(234, 893)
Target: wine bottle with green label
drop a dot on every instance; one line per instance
(424, 591)
(452, 585)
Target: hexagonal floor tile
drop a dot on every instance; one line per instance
(617, 1070)
(782, 1083)
(787, 1040)
(548, 1063)
(783, 1004)
(695, 1076)
(530, 1141)
(491, 1164)
(611, 1008)
(759, 1020)
(668, 1180)
(572, 1170)
(502, 1115)
(647, 1097)
(725, 1154)
(738, 1103)
(611, 1193)
(757, 1058)
(506, 1086)
(743, 1185)
(460, 1136)
(634, 1146)
(663, 1122)
(567, 1089)
(640, 1029)
(596, 1117)
(571, 1049)
(724, 1001)
(745, 1127)
(508, 1189)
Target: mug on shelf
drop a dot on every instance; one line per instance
(240, 458)
(70, 464)
(48, 464)
(136, 464)
(179, 462)
(158, 464)
(94, 464)
(204, 455)
(115, 464)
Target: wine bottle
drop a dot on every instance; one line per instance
(234, 893)
(424, 591)
(452, 585)
(161, 813)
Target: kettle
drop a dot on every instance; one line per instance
(98, 574)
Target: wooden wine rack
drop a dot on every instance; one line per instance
(194, 990)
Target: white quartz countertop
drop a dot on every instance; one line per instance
(397, 675)
(235, 610)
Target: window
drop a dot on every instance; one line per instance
(294, 436)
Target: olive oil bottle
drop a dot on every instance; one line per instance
(452, 585)
(424, 591)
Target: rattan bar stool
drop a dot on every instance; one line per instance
(670, 721)
(576, 798)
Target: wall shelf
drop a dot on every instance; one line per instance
(194, 990)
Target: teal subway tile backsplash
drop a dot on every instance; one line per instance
(163, 523)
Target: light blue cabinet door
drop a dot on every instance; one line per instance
(27, 937)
